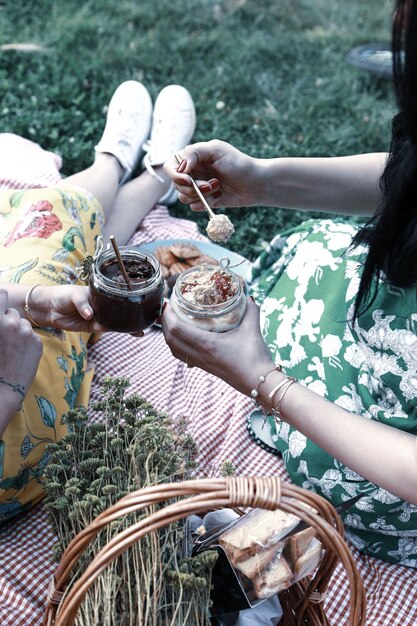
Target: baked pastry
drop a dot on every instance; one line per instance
(202, 259)
(253, 565)
(309, 560)
(178, 267)
(297, 544)
(185, 250)
(177, 258)
(257, 547)
(165, 256)
(276, 576)
(258, 530)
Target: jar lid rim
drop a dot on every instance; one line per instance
(142, 285)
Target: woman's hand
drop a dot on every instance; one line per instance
(21, 350)
(239, 356)
(226, 176)
(64, 306)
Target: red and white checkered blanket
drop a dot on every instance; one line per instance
(216, 415)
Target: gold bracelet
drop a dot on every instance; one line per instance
(276, 411)
(281, 384)
(255, 392)
(26, 307)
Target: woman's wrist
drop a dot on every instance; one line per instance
(268, 181)
(272, 390)
(37, 305)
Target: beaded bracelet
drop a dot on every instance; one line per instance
(255, 392)
(26, 307)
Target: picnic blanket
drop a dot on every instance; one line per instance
(216, 414)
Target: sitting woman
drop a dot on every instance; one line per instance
(335, 364)
(46, 233)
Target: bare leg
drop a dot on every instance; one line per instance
(101, 179)
(134, 200)
(126, 206)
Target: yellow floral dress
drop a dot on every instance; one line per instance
(45, 233)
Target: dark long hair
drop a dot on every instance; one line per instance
(391, 234)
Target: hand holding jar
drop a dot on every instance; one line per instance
(238, 356)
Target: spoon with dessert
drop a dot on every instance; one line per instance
(219, 227)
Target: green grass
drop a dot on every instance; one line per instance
(277, 67)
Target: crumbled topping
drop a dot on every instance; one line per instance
(208, 287)
(220, 228)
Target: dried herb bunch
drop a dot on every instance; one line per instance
(120, 445)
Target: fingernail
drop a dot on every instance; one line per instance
(163, 306)
(252, 298)
(205, 188)
(214, 183)
(217, 194)
(187, 182)
(88, 312)
(181, 167)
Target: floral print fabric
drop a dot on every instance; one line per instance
(45, 233)
(307, 281)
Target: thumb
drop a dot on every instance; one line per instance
(252, 313)
(84, 308)
(250, 320)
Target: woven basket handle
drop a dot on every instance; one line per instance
(204, 494)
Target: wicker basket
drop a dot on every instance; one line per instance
(302, 603)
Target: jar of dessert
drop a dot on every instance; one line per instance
(118, 306)
(210, 297)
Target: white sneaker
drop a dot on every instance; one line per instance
(173, 124)
(128, 125)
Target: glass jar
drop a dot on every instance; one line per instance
(116, 306)
(209, 297)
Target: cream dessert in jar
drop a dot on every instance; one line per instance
(210, 297)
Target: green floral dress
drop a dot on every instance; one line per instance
(307, 281)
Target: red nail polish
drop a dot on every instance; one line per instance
(205, 188)
(214, 183)
(217, 194)
(181, 167)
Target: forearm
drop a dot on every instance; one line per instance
(38, 301)
(347, 185)
(10, 400)
(17, 294)
(383, 455)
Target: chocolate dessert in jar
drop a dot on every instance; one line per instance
(210, 297)
(118, 306)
